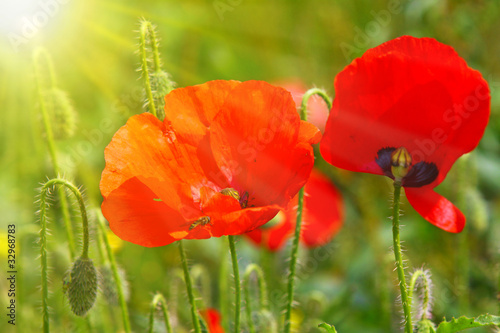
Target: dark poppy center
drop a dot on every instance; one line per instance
(417, 175)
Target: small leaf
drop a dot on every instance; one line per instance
(329, 328)
(462, 323)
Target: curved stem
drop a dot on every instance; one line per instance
(116, 275)
(51, 142)
(405, 300)
(298, 224)
(43, 238)
(145, 31)
(263, 302)
(309, 94)
(426, 301)
(158, 299)
(237, 286)
(189, 287)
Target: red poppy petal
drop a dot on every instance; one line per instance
(308, 133)
(146, 148)
(274, 237)
(136, 214)
(255, 140)
(190, 110)
(436, 209)
(411, 92)
(213, 319)
(323, 211)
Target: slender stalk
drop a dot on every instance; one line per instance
(223, 287)
(426, 285)
(237, 284)
(293, 263)
(189, 287)
(146, 30)
(43, 239)
(308, 94)
(116, 275)
(50, 140)
(263, 301)
(405, 300)
(159, 300)
(463, 253)
(298, 225)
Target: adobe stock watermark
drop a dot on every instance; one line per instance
(455, 116)
(363, 37)
(33, 23)
(223, 6)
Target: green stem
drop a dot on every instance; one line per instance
(308, 94)
(293, 263)
(189, 287)
(405, 300)
(159, 300)
(146, 30)
(223, 287)
(263, 302)
(426, 301)
(298, 225)
(201, 274)
(237, 286)
(43, 238)
(116, 275)
(50, 139)
(463, 253)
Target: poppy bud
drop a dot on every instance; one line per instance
(161, 85)
(61, 112)
(400, 163)
(82, 289)
(229, 191)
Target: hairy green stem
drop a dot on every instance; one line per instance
(237, 284)
(116, 275)
(263, 301)
(298, 225)
(309, 94)
(39, 53)
(189, 287)
(147, 30)
(158, 299)
(43, 238)
(426, 301)
(223, 287)
(405, 300)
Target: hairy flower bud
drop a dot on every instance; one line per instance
(82, 286)
(161, 85)
(61, 112)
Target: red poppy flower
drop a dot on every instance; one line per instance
(226, 158)
(213, 319)
(414, 93)
(322, 217)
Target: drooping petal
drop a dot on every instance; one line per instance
(436, 209)
(275, 236)
(256, 143)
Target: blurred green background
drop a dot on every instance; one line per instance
(94, 48)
